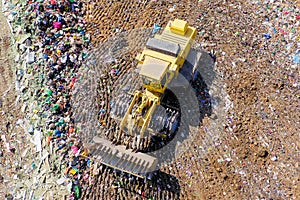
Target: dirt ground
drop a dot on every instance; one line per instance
(9, 108)
(260, 135)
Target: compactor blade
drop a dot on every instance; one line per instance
(120, 158)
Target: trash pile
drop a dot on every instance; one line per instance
(51, 45)
(251, 154)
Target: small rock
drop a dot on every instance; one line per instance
(274, 158)
(171, 9)
(61, 181)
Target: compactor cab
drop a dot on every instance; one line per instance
(155, 75)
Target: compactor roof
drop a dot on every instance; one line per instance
(153, 68)
(163, 46)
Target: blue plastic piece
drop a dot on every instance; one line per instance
(57, 133)
(156, 28)
(296, 58)
(266, 35)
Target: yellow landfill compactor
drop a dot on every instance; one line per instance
(159, 63)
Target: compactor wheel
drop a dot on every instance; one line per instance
(164, 125)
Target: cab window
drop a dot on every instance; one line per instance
(146, 81)
(163, 81)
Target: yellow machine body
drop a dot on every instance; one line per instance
(159, 63)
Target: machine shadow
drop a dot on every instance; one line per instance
(195, 104)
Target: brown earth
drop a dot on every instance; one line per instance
(263, 120)
(9, 109)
